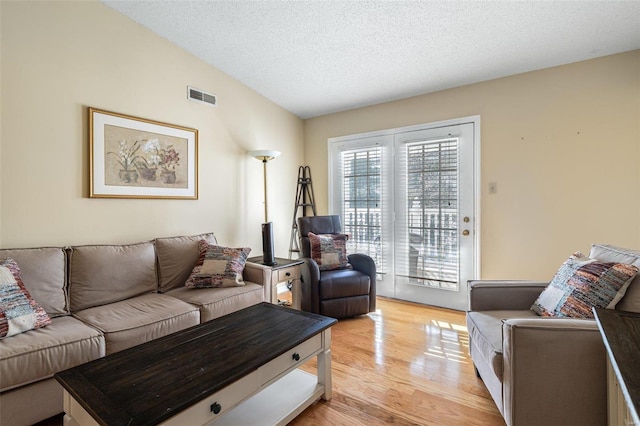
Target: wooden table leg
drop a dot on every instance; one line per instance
(324, 365)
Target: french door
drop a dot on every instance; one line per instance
(434, 210)
(407, 197)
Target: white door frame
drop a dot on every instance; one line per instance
(477, 184)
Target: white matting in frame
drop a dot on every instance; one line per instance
(132, 157)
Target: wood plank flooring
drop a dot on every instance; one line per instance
(406, 364)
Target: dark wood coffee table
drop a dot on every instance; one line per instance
(237, 369)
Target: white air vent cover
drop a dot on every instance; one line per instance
(200, 96)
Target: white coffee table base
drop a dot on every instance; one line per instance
(278, 404)
(272, 395)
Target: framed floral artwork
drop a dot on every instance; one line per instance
(132, 157)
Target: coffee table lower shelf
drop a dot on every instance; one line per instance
(277, 404)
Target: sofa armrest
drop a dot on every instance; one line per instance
(496, 295)
(554, 372)
(257, 273)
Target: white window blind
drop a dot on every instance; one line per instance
(426, 251)
(360, 176)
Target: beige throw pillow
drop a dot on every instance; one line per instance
(218, 266)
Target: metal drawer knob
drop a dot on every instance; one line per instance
(215, 408)
(296, 356)
(288, 274)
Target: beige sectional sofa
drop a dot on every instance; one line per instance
(542, 370)
(103, 299)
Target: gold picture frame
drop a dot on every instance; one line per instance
(133, 157)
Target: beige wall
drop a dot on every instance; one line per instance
(58, 58)
(563, 145)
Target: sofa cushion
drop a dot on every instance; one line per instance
(139, 319)
(44, 276)
(608, 253)
(485, 335)
(582, 283)
(216, 302)
(176, 258)
(18, 311)
(218, 266)
(329, 250)
(18, 407)
(37, 355)
(102, 274)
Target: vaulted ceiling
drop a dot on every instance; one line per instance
(315, 57)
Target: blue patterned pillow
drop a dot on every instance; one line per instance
(218, 266)
(582, 283)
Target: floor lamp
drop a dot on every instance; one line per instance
(268, 257)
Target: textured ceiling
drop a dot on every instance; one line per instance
(318, 57)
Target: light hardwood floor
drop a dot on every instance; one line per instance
(405, 364)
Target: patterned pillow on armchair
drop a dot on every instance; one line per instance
(329, 250)
(582, 283)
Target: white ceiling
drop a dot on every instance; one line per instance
(315, 57)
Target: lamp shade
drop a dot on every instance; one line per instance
(264, 154)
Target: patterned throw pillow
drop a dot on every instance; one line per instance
(329, 250)
(18, 311)
(218, 266)
(582, 283)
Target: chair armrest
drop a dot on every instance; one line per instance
(495, 295)
(365, 264)
(554, 372)
(310, 275)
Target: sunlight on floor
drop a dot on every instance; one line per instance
(454, 341)
(442, 339)
(379, 338)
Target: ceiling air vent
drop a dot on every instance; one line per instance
(200, 96)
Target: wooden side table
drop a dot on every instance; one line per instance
(284, 271)
(620, 332)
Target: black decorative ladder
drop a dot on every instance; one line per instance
(304, 199)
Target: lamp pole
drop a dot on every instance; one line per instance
(267, 227)
(264, 168)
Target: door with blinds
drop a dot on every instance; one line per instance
(407, 198)
(360, 188)
(434, 215)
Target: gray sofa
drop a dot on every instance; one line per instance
(541, 370)
(103, 299)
